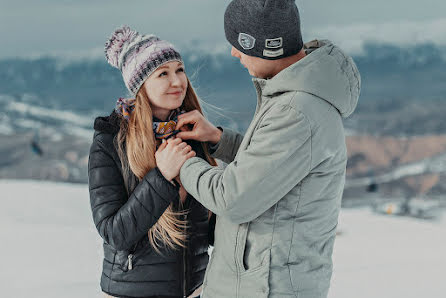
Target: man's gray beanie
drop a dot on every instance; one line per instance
(268, 29)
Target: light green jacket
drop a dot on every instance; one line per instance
(279, 197)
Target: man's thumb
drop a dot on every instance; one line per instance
(185, 135)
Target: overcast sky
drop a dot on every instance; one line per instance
(80, 27)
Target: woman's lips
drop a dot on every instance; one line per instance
(175, 93)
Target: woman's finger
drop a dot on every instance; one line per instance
(191, 154)
(182, 145)
(162, 146)
(174, 141)
(187, 148)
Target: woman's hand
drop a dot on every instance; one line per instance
(171, 156)
(203, 130)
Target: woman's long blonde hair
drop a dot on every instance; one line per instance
(136, 146)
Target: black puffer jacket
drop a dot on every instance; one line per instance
(131, 267)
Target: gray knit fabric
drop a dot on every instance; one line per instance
(269, 29)
(137, 55)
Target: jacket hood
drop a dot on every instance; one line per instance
(326, 72)
(109, 124)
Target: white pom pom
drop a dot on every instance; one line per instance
(115, 43)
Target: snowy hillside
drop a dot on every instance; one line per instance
(29, 117)
(51, 249)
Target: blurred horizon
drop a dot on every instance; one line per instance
(54, 80)
(80, 28)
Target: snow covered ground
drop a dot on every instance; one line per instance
(50, 248)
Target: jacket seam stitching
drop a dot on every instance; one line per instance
(292, 237)
(345, 72)
(135, 223)
(138, 200)
(96, 151)
(111, 272)
(107, 185)
(274, 225)
(102, 166)
(103, 148)
(309, 125)
(103, 203)
(122, 231)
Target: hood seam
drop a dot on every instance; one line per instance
(346, 73)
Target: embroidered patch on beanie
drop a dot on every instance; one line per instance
(246, 41)
(268, 29)
(274, 43)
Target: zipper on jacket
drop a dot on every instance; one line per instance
(130, 257)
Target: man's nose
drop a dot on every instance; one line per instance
(235, 52)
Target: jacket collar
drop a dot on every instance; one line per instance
(109, 124)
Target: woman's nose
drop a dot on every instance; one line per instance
(175, 80)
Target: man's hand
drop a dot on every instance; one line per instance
(203, 130)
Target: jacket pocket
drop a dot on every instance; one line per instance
(127, 259)
(122, 259)
(208, 267)
(240, 243)
(254, 282)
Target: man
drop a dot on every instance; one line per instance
(277, 201)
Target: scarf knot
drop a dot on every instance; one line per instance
(161, 129)
(166, 129)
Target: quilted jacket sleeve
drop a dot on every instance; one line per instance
(122, 219)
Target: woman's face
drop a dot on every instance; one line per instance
(166, 88)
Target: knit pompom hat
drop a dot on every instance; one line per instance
(137, 56)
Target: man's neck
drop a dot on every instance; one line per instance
(286, 62)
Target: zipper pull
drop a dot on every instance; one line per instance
(130, 261)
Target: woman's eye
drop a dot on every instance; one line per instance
(180, 69)
(164, 73)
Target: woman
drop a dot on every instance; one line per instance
(155, 234)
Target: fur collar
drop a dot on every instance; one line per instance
(108, 124)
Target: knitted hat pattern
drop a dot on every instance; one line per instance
(268, 29)
(137, 56)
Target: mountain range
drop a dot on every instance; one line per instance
(396, 80)
(54, 101)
